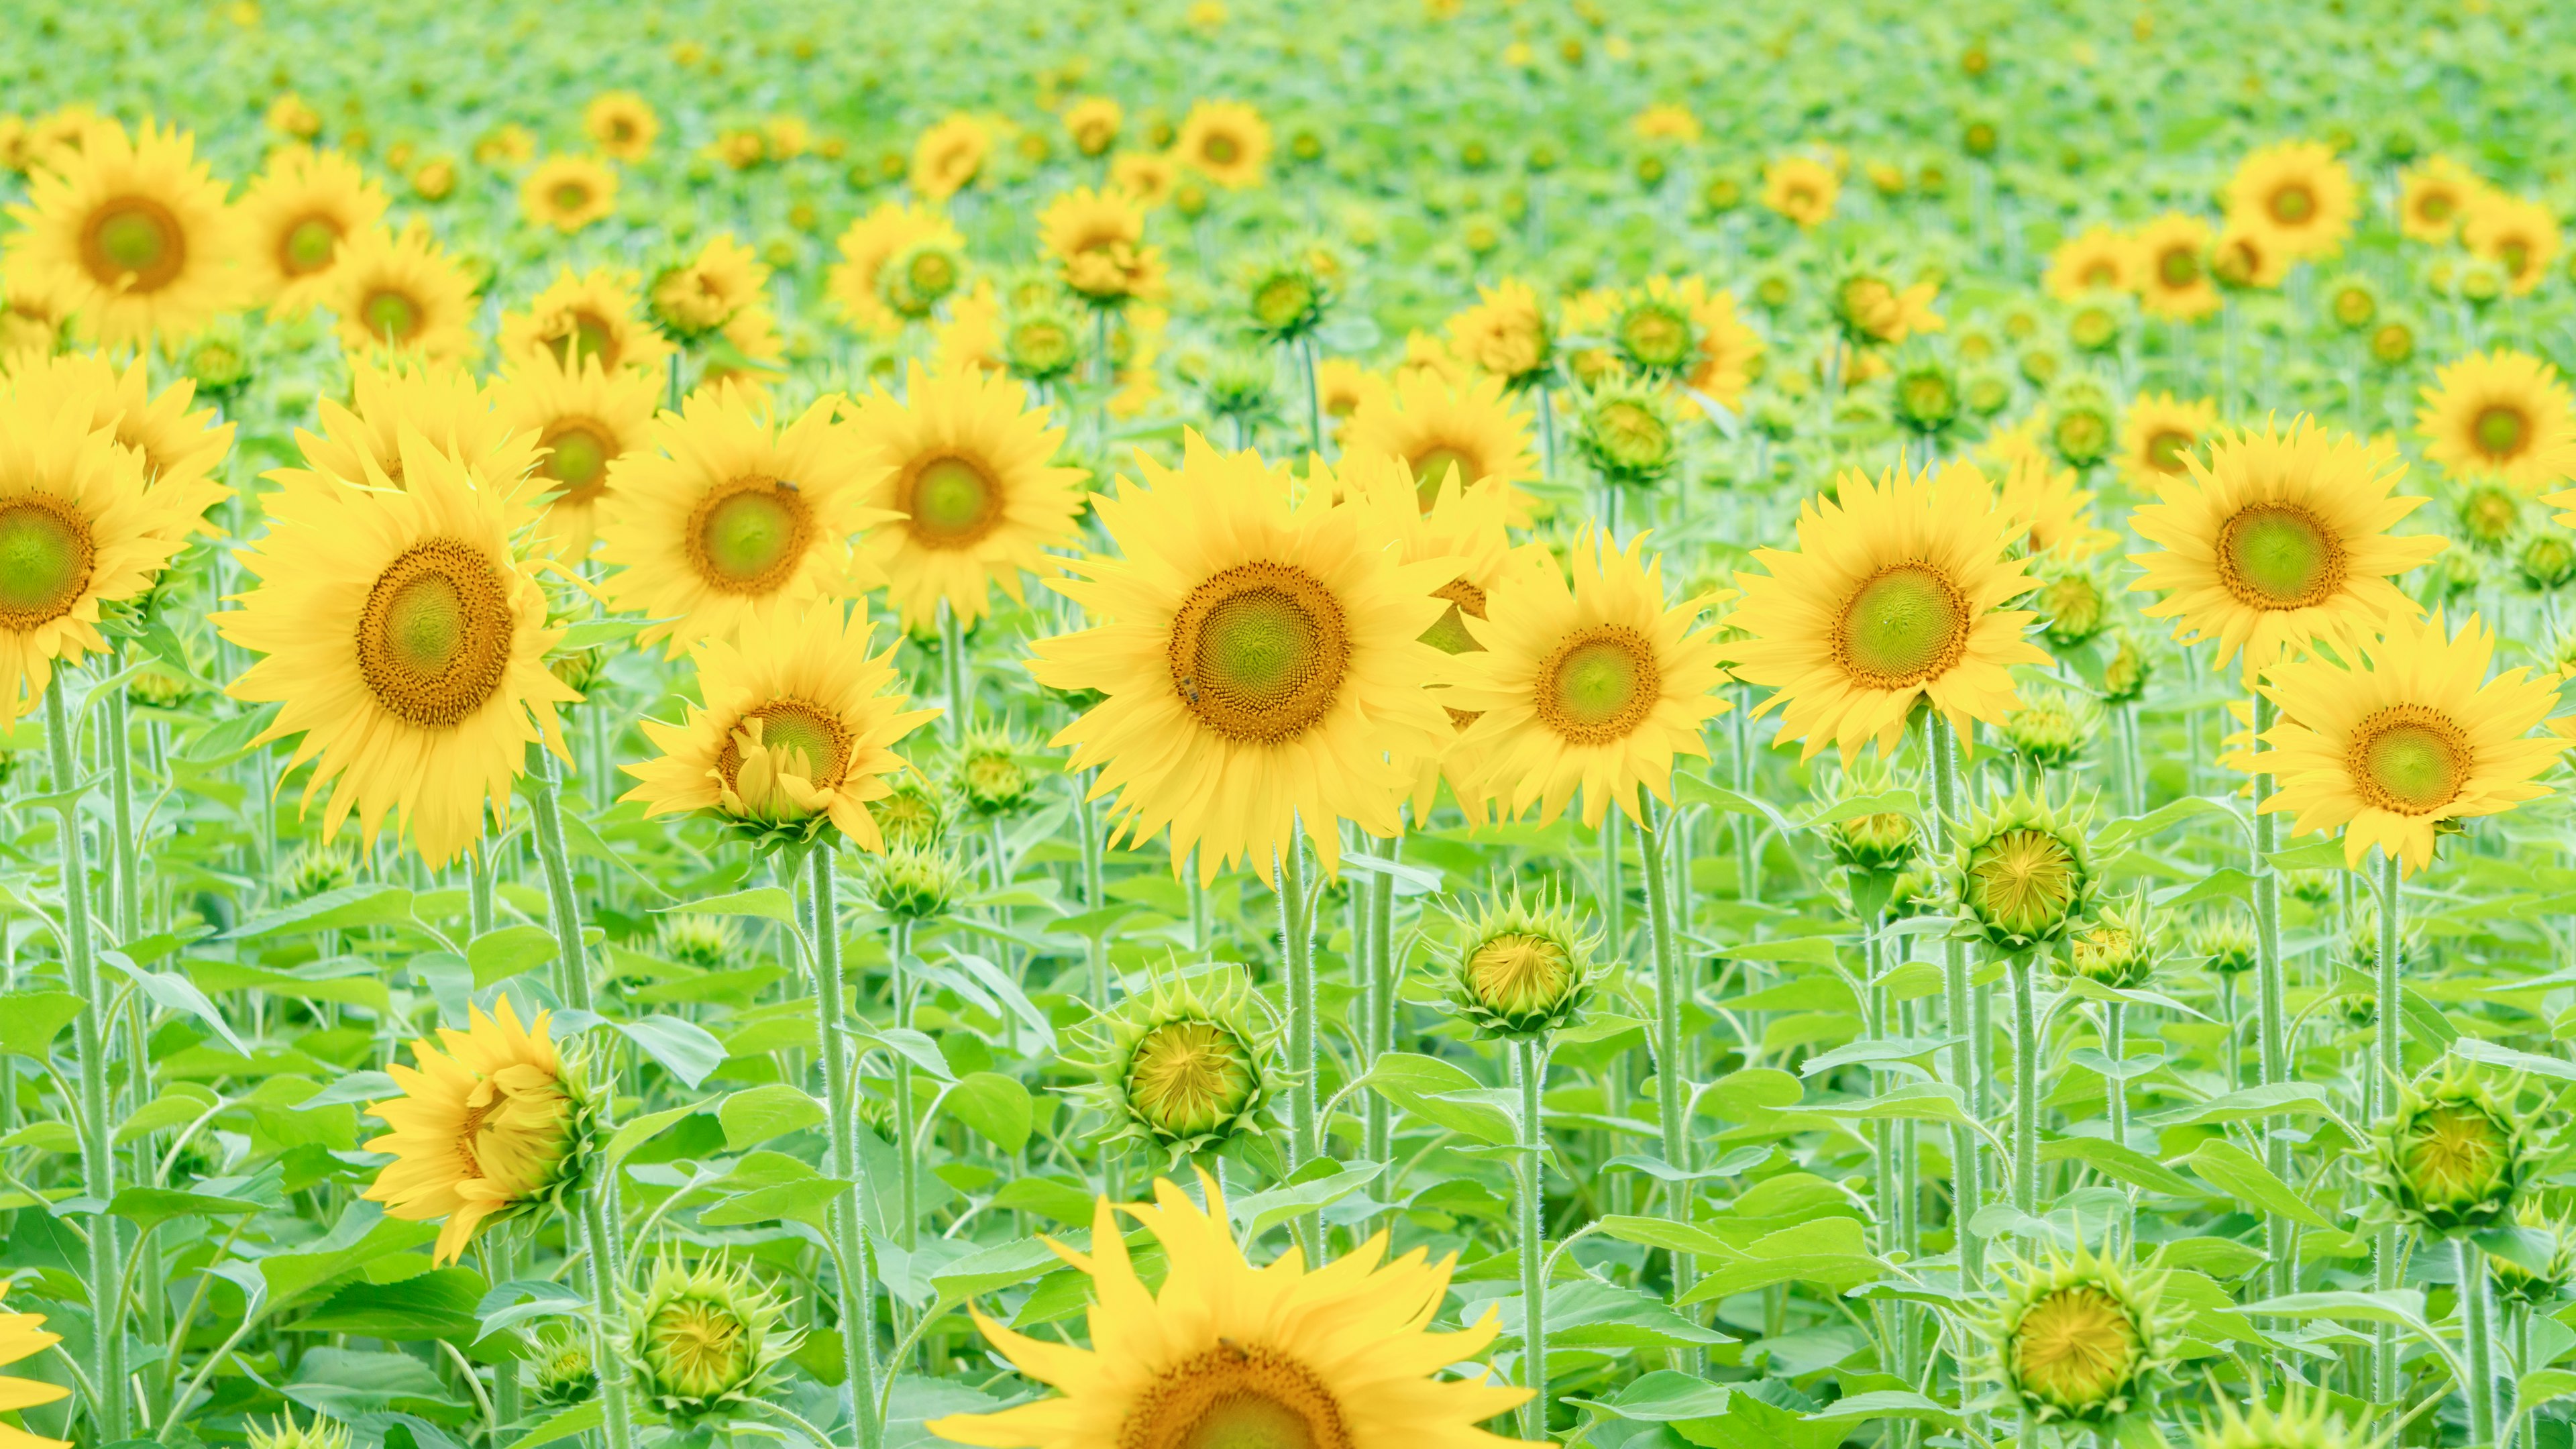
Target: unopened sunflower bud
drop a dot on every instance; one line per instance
(2120, 947)
(1287, 301)
(1878, 844)
(2520, 1283)
(2224, 944)
(916, 882)
(918, 278)
(2080, 426)
(991, 777)
(913, 813)
(565, 1373)
(2305, 1420)
(2454, 1157)
(2124, 678)
(284, 1433)
(2022, 875)
(1927, 398)
(2053, 727)
(1042, 344)
(2077, 1341)
(1629, 434)
(1520, 971)
(2073, 607)
(1183, 1067)
(702, 1341)
(705, 942)
(1655, 336)
(2545, 562)
(318, 868)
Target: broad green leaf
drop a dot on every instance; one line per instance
(1046, 1197)
(150, 1206)
(1416, 1084)
(438, 1304)
(30, 1020)
(497, 955)
(1885, 1404)
(1006, 1265)
(636, 1131)
(1257, 1213)
(2273, 1099)
(1660, 1396)
(579, 1419)
(347, 908)
(766, 903)
(685, 1049)
(995, 1107)
(763, 1113)
(2241, 1175)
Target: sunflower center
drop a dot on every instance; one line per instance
(2075, 1346)
(578, 459)
(1449, 635)
(134, 242)
(1655, 336)
(1236, 1396)
(571, 196)
(2513, 254)
(391, 314)
(46, 557)
(2166, 449)
(1517, 973)
(2452, 1154)
(1436, 463)
(1906, 624)
(700, 1347)
(308, 246)
(2279, 556)
(953, 504)
(434, 634)
(2436, 206)
(2294, 204)
(2101, 274)
(1188, 1077)
(1259, 651)
(2179, 267)
(2409, 759)
(2022, 880)
(749, 535)
(1220, 149)
(804, 740)
(587, 334)
(2500, 430)
(1599, 685)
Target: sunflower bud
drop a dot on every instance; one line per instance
(2124, 679)
(2489, 513)
(701, 1340)
(2537, 1286)
(2225, 945)
(317, 868)
(2080, 429)
(2120, 947)
(284, 1433)
(2304, 1421)
(2353, 303)
(2095, 326)
(2392, 343)
(2074, 607)
(2052, 727)
(913, 813)
(1927, 398)
(1287, 301)
(2077, 1341)
(1182, 1067)
(2454, 1157)
(2545, 562)
(565, 1374)
(705, 942)
(1238, 386)
(1519, 971)
(990, 776)
(2316, 887)
(1041, 344)
(915, 882)
(1877, 844)
(1629, 434)
(2022, 875)
(918, 278)
(1655, 336)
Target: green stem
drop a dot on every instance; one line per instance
(1614, 886)
(1095, 894)
(505, 1264)
(607, 1280)
(2115, 1037)
(2479, 1341)
(1297, 953)
(840, 1092)
(2280, 1234)
(480, 913)
(906, 1151)
(952, 668)
(572, 962)
(2025, 1083)
(1531, 1057)
(1966, 1191)
(1314, 394)
(1379, 1030)
(1748, 860)
(2391, 1055)
(1672, 1067)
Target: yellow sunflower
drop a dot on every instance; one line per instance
(180, 449)
(1098, 241)
(1505, 333)
(2433, 196)
(2051, 514)
(971, 338)
(1724, 351)
(401, 293)
(2275, 540)
(966, 464)
(1225, 141)
(35, 318)
(1341, 388)
(709, 290)
(2501, 415)
(729, 524)
(1801, 189)
(2157, 432)
(871, 242)
(2101, 259)
(568, 193)
(23, 1335)
(621, 124)
(2250, 256)
(1092, 124)
(135, 232)
(78, 529)
(948, 157)
(2412, 736)
(406, 641)
(1426, 356)
(1230, 1355)
(2297, 194)
(1148, 176)
(583, 418)
(1471, 431)
(2173, 268)
(362, 441)
(2518, 235)
(1262, 662)
(595, 314)
(1894, 595)
(294, 218)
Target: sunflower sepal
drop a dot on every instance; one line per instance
(2022, 876)
(1522, 970)
(2455, 1157)
(1214, 1018)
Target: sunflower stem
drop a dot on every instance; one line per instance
(840, 1089)
(1966, 1191)
(2025, 1187)
(1094, 894)
(2479, 1341)
(953, 672)
(2115, 1037)
(1305, 359)
(607, 1282)
(480, 911)
(1379, 1031)
(545, 802)
(1671, 1068)
(1531, 1059)
(2280, 1234)
(2391, 1049)
(906, 1151)
(1297, 957)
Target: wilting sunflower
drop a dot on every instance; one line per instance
(568, 193)
(78, 529)
(2050, 513)
(181, 450)
(1895, 594)
(621, 124)
(948, 157)
(709, 290)
(294, 218)
(402, 293)
(2411, 737)
(1593, 686)
(1098, 241)
(494, 1125)
(2101, 259)
(729, 522)
(595, 314)
(967, 464)
(2173, 268)
(2158, 432)
(1800, 189)
(1262, 661)
(2277, 539)
(583, 418)
(871, 242)
(2501, 415)
(362, 442)
(2297, 193)
(2518, 235)
(21, 1336)
(798, 730)
(134, 232)
(1230, 1355)
(1225, 141)
(2432, 198)
(1471, 431)
(1148, 176)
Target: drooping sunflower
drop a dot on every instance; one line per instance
(2516, 234)
(797, 732)
(135, 232)
(1227, 1354)
(730, 523)
(362, 441)
(2412, 736)
(1801, 189)
(2051, 514)
(2173, 268)
(181, 450)
(866, 247)
(968, 464)
(2500, 415)
(1470, 431)
(1262, 662)
(568, 193)
(948, 157)
(2295, 192)
(2158, 432)
(1593, 686)
(23, 1335)
(1225, 141)
(621, 124)
(583, 417)
(406, 641)
(294, 219)
(2101, 259)
(1098, 241)
(2274, 540)
(595, 314)
(2433, 196)
(78, 529)
(1894, 595)
(708, 291)
(400, 292)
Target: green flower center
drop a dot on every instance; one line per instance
(2023, 881)
(1904, 625)
(952, 504)
(2279, 556)
(390, 315)
(1599, 685)
(698, 1349)
(2294, 204)
(433, 638)
(2409, 759)
(2167, 449)
(2178, 267)
(1258, 652)
(1283, 301)
(2075, 1348)
(1438, 462)
(1188, 1078)
(749, 536)
(46, 557)
(578, 459)
(308, 246)
(1220, 150)
(571, 196)
(2436, 206)
(133, 242)
(2500, 431)
(2454, 1153)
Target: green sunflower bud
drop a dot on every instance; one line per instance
(1238, 386)
(705, 942)
(1286, 301)
(2052, 727)
(284, 1433)
(918, 278)
(2489, 513)
(2124, 678)
(2455, 1156)
(913, 813)
(2304, 1421)
(915, 882)
(1182, 1068)
(2316, 887)
(2095, 326)
(702, 1341)
(2022, 875)
(1878, 844)
(1042, 343)
(1629, 433)
(2077, 1341)
(2546, 561)
(2080, 428)
(992, 777)
(1927, 398)
(1519, 971)
(2535, 1287)
(1655, 337)
(2352, 302)
(318, 868)
(2225, 945)
(2074, 607)
(2120, 947)
(1986, 392)
(564, 1371)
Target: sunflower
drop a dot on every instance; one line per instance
(1894, 595)
(948, 157)
(2518, 235)
(181, 450)
(798, 729)
(621, 124)
(1342, 387)
(1148, 176)
(2173, 268)
(1261, 659)
(400, 292)
(294, 218)
(2249, 256)
(406, 641)
(2501, 415)
(2295, 193)
(568, 193)
(2157, 432)
(1505, 333)
(965, 463)
(2102, 259)
(2050, 512)
(1226, 142)
(867, 246)
(2434, 196)
(1227, 1354)
(1092, 124)
(1098, 241)
(595, 314)
(701, 295)
(1719, 352)
(730, 523)
(362, 442)
(972, 335)
(1800, 189)
(23, 1335)
(1873, 310)
(2414, 735)
(78, 530)
(750, 356)
(35, 318)
(1471, 431)
(135, 232)
(583, 419)
(2275, 540)
(491, 1123)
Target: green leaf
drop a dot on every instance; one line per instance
(1257, 1213)
(2494, 1055)
(498, 955)
(990, 1270)
(1886, 1404)
(178, 1105)
(685, 1049)
(363, 1235)
(2541, 1386)
(30, 1020)
(579, 1419)
(1416, 1084)
(1829, 1251)
(2120, 832)
(1588, 1315)
(995, 1107)
(763, 1113)
(773, 1187)
(2273, 1099)
(2226, 883)
(636, 1131)
(1671, 1236)
(345, 909)
(1047, 1197)
(152, 1206)
(438, 1304)
(1750, 1423)
(913, 1046)
(2126, 1164)
(2241, 1175)
(767, 903)
(1912, 1102)
(1661, 1396)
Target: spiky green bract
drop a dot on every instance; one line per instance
(2021, 875)
(916, 882)
(1184, 1067)
(2077, 1340)
(702, 1340)
(565, 1374)
(2305, 1420)
(1518, 970)
(914, 813)
(2455, 1157)
(2520, 1284)
(2121, 946)
(1628, 432)
(995, 774)
(2053, 727)
(1863, 838)
(2225, 945)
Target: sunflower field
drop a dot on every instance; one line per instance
(1287, 724)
